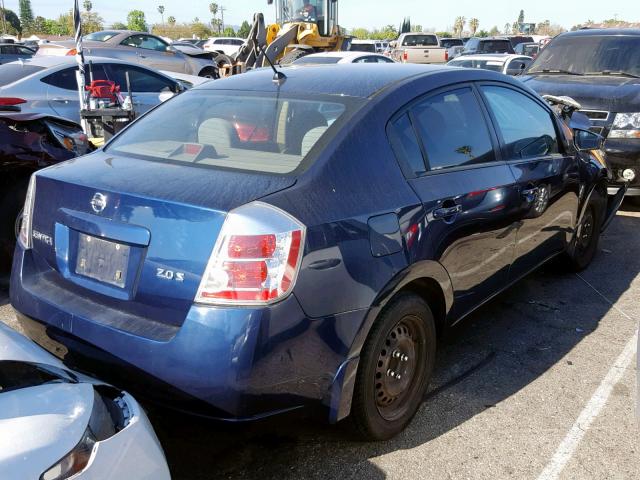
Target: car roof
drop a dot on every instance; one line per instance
(347, 79)
(491, 56)
(356, 40)
(50, 61)
(342, 54)
(586, 32)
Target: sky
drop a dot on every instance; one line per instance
(361, 13)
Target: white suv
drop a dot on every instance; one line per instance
(226, 45)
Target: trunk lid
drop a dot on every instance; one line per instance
(133, 235)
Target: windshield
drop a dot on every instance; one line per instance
(100, 36)
(590, 54)
(420, 41)
(363, 47)
(494, 65)
(319, 60)
(11, 72)
(494, 46)
(450, 42)
(237, 130)
(302, 10)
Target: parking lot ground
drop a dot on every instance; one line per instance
(538, 383)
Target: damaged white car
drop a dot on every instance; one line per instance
(57, 424)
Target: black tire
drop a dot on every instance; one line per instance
(11, 204)
(209, 72)
(395, 368)
(584, 245)
(294, 55)
(222, 60)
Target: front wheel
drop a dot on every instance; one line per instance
(585, 242)
(294, 55)
(395, 367)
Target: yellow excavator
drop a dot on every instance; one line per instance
(302, 27)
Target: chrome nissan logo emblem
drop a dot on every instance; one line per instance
(98, 202)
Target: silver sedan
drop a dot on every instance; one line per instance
(48, 85)
(141, 48)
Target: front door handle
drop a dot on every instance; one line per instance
(60, 100)
(447, 211)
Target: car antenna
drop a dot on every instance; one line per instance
(278, 77)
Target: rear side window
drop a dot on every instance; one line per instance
(420, 41)
(142, 81)
(527, 128)
(66, 79)
(453, 130)
(405, 144)
(261, 132)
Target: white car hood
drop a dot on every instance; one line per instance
(40, 425)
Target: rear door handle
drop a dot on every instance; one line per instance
(447, 211)
(60, 100)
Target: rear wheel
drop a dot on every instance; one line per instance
(585, 242)
(294, 55)
(222, 60)
(209, 72)
(395, 367)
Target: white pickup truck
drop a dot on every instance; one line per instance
(418, 48)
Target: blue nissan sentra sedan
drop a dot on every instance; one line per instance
(252, 247)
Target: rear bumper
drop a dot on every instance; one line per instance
(227, 363)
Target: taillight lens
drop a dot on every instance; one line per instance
(27, 215)
(405, 56)
(446, 55)
(11, 101)
(256, 258)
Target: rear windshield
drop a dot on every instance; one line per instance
(100, 36)
(237, 130)
(310, 60)
(363, 47)
(591, 54)
(420, 41)
(494, 46)
(11, 72)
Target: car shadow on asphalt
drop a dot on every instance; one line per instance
(494, 353)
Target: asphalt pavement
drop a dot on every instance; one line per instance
(540, 383)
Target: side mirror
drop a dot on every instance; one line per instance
(584, 140)
(393, 44)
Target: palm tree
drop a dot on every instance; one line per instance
(458, 25)
(171, 20)
(213, 8)
(474, 23)
(161, 12)
(87, 5)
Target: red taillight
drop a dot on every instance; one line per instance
(405, 56)
(256, 258)
(446, 55)
(251, 246)
(72, 52)
(10, 101)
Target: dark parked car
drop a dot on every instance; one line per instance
(601, 70)
(29, 142)
(279, 247)
(10, 52)
(518, 39)
(487, 45)
(451, 42)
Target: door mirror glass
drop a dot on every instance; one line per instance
(585, 140)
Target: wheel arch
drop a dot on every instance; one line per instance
(429, 280)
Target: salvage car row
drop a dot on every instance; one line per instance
(282, 247)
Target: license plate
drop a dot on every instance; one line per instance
(102, 260)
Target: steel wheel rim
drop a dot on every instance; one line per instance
(586, 230)
(399, 368)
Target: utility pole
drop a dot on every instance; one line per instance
(222, 9)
